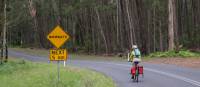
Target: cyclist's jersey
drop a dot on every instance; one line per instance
(136, 53)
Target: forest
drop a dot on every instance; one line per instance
(102, 26)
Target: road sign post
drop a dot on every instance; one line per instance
(58, 37)
(58, 70)
(64, 64)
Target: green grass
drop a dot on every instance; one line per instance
(36, 52)
(20, 73)
(182, 54)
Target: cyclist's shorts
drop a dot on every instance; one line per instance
(136, 60)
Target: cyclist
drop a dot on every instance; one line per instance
(136, 55)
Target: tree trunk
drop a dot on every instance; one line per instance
(4, 33)
(56, 12)
(148, 32)
(118, 24)
(161, 36)
(154, 30)
(101, 30)
(130, 23)
(33, 12)
(172, 24)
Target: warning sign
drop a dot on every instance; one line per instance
(58, 55)
(58, 37)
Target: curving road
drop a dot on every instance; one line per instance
(154, 75)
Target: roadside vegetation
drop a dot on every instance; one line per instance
(180, 54)
(167, 54)
(20, 73)
(73, 56)
(183, 58)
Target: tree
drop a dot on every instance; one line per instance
(105, 26)
(172, 26)
(5, 51)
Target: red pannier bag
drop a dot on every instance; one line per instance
(133, 70)
(141, 70)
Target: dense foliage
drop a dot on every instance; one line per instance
(103, 26)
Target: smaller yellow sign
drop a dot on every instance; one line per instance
(58, 55)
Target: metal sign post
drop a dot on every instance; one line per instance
(64, 64)
(58, 37)
(58, 64)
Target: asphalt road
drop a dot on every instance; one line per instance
(154, 75)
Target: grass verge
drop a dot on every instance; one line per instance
(181, 54)
(20, 73)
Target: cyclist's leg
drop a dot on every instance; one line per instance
(136, 69)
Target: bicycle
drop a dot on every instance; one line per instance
(136, 71)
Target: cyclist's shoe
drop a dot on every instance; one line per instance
(132, 77)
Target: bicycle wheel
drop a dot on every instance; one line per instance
(136, 75)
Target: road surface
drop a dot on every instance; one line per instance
(155, 75)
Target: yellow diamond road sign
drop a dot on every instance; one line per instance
(58, 37)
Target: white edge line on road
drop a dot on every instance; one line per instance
(163, 73)
(175, 76)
